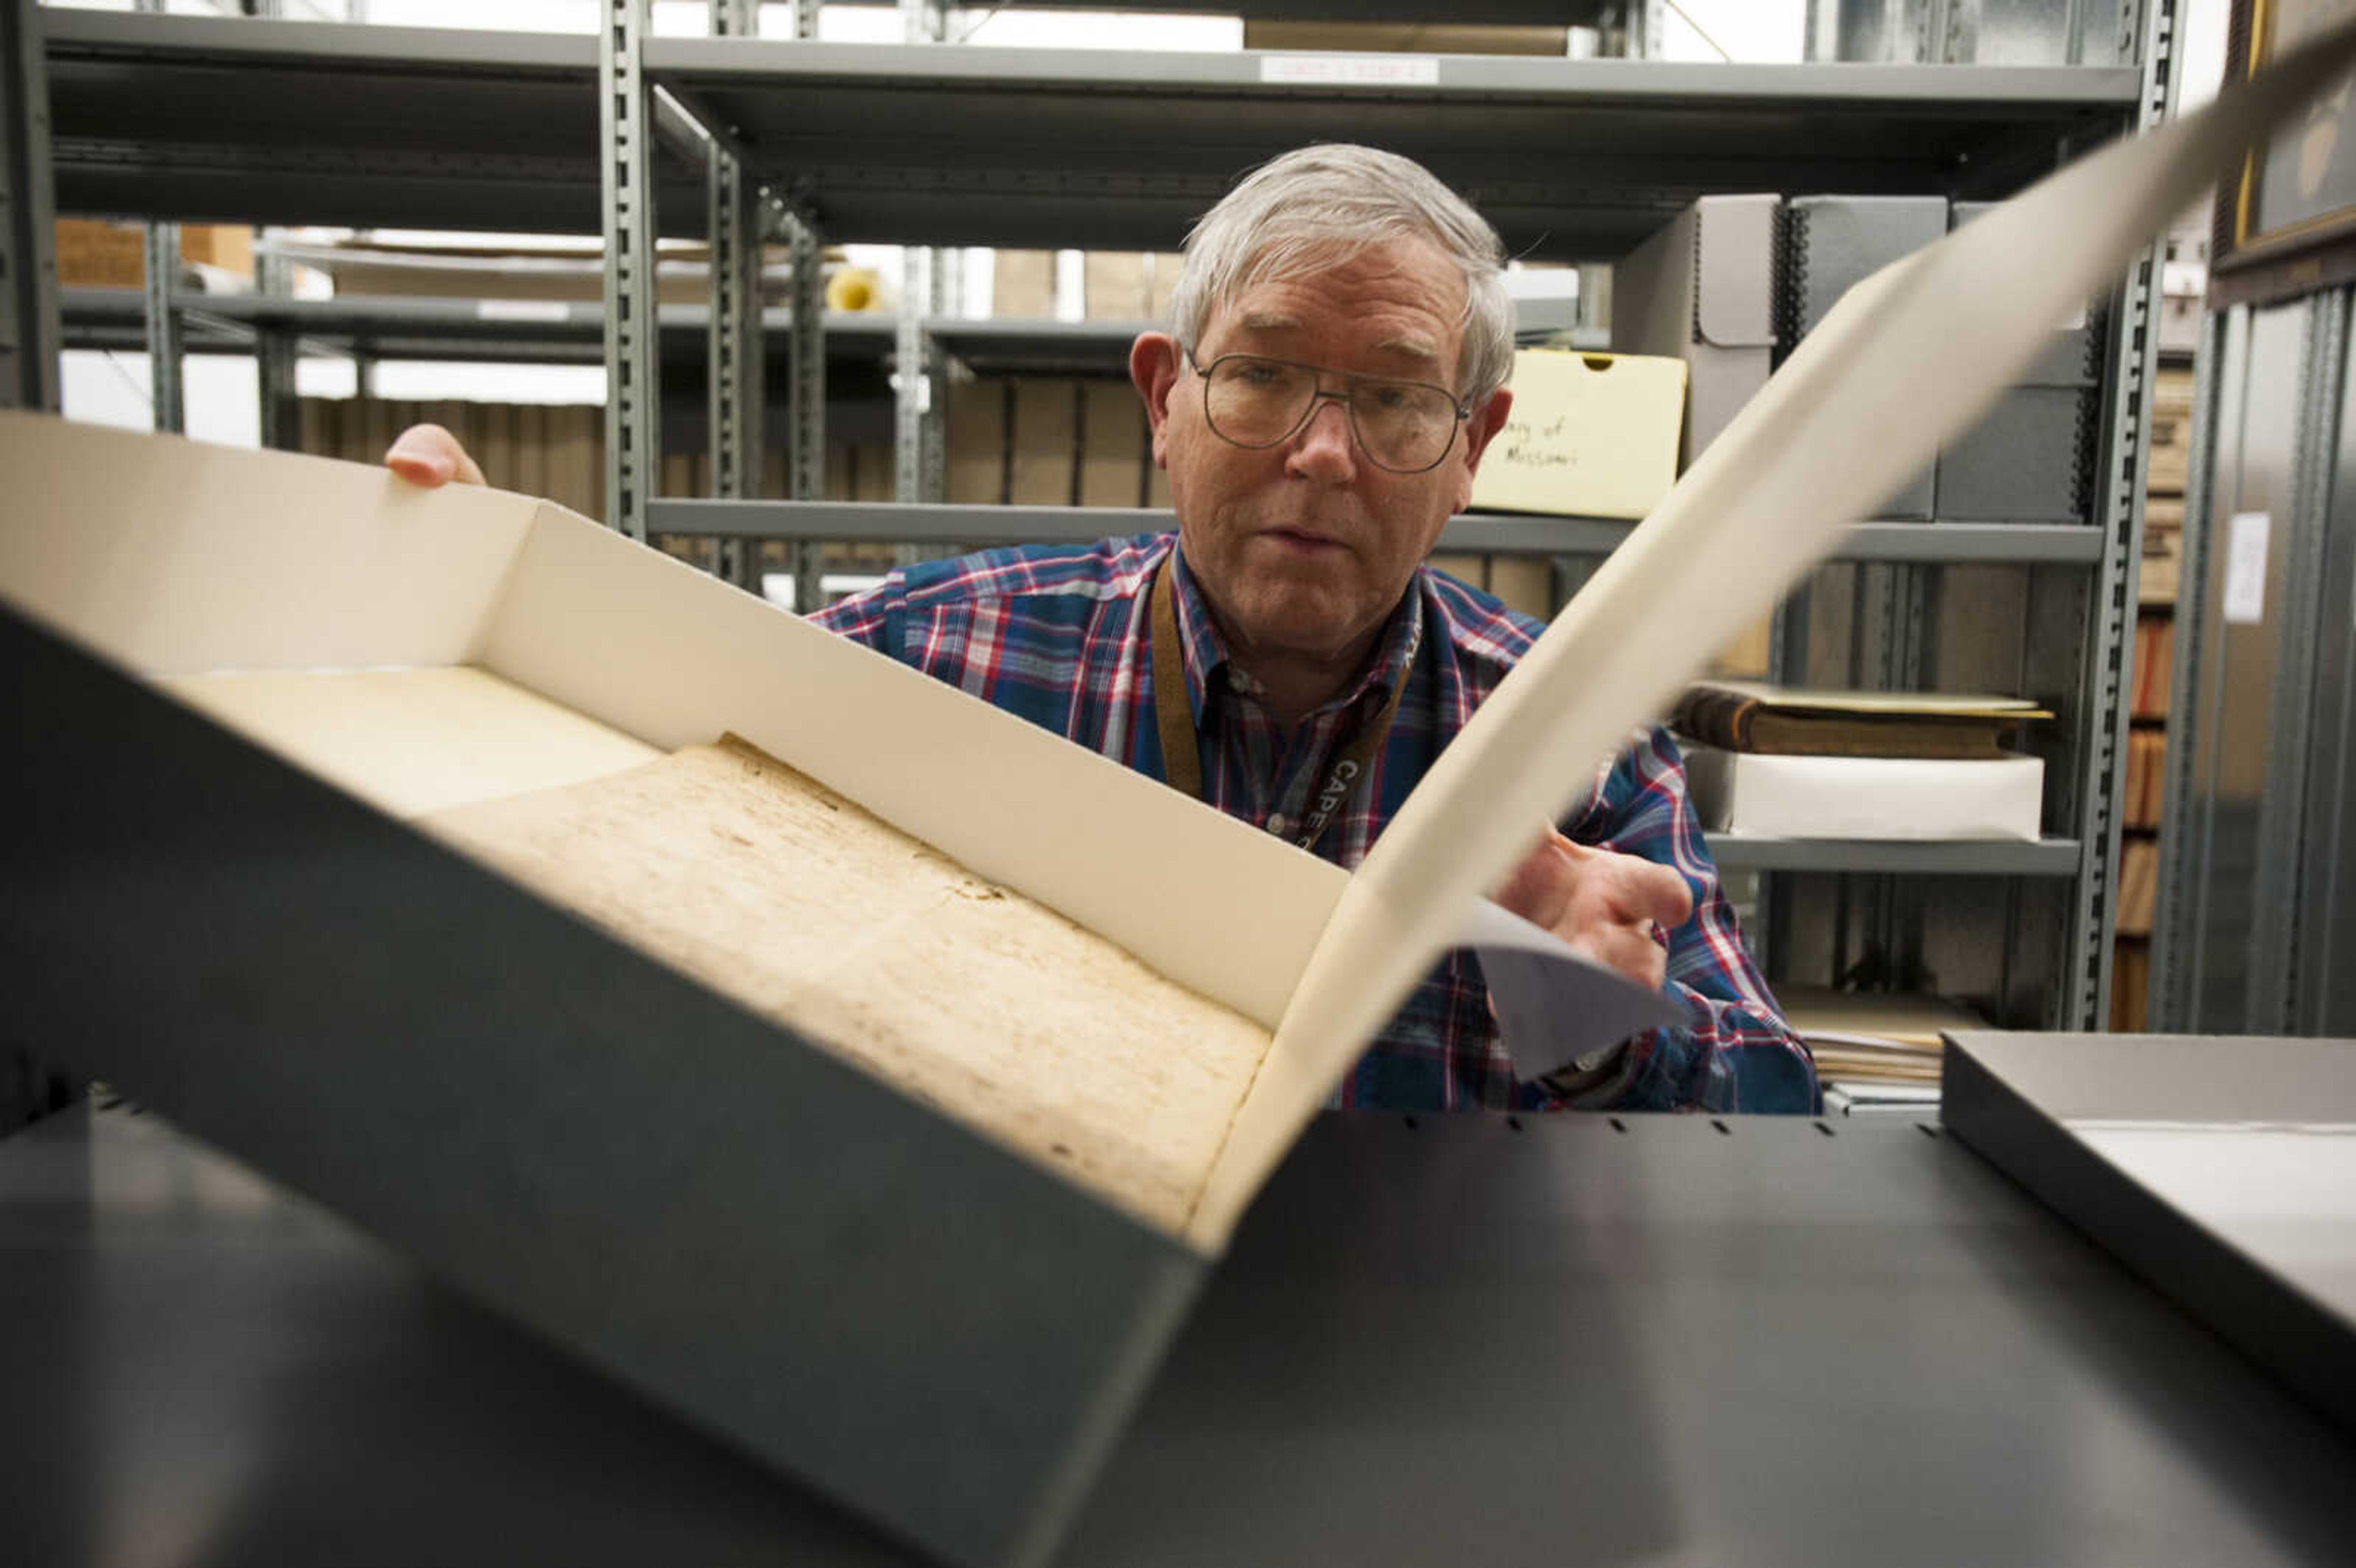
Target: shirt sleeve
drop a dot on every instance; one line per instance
(871, 617)
(1734, 1052)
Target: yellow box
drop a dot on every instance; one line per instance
(1590, 436)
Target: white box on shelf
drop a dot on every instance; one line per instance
(1866, 797)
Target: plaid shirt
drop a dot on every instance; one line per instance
(1053, 634)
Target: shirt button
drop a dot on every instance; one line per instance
(1279, 824)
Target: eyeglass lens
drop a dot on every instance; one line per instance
(1403, 425)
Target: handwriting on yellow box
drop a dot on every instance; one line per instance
(1590, 436)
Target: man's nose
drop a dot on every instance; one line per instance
(1326, 448)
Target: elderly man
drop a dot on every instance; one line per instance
(1336, 368)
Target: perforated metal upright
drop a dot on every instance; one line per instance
(633, 390)
(919, 441)
(806, 413)
(2083, 999)
(737, 383)
(161, 269)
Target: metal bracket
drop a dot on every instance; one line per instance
(633, 392)
(169, 405)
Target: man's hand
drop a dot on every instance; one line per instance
(429, 456)
(1612, 908)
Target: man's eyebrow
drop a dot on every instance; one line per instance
(1269, 321)
(1413, 347)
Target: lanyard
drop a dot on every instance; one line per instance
(1183, 766)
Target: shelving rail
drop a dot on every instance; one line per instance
(931, 145)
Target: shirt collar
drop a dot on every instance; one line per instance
(1208, 664)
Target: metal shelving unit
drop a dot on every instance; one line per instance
(931, 145)
(1025, 147)
(2050, 858)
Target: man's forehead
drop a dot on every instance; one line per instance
(1412, 342)
(1408, 294)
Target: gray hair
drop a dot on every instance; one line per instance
(1291, 216)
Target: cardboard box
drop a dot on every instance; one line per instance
(256, 706)
(1022, 285)
(1866, 797)
(1590, 436)
(1703, 290)
(1162, 269)
(95, 253)
(1112, 445)
(977, 442)
(1043, 469)
(1115, 285)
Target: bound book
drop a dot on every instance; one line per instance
(1750, 716)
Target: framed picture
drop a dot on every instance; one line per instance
(2287, 225)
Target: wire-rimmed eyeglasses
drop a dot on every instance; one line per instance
(1403, 427)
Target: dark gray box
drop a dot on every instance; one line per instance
(1829, 244)
(2265, 1255)
(2031, 459)
(732, 1222)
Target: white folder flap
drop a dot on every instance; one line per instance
(1553, 1003)
(210, 558)
(1910, 356)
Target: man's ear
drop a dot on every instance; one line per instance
(1154, 362)
(1479, 431)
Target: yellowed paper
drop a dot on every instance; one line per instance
(973, 1000)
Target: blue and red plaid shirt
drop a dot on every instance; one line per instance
(1053, 634)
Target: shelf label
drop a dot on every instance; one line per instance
(522, 310)
(1353, 70)
(2245, 569)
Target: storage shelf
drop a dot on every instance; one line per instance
(198, 118)
(940, 145)
(230, 119)
(1479, 532)
(1747, 852)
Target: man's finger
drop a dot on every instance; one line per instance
(1629, 950)
(429, 455)
(1651, 892)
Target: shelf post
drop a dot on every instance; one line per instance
(2177, 931)
(163, 267)
(737, 355)
(633, 391)
(2083, 997)
(273, 354)
(29, 329)
(806, 411)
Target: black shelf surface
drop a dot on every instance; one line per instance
(1763, 1311)
(944, 144)
(235, 119)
